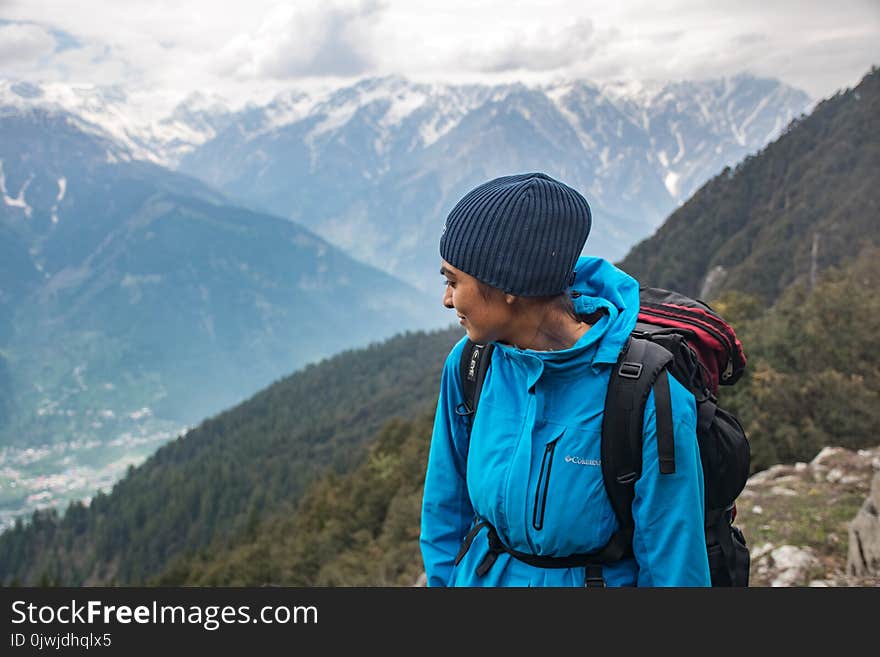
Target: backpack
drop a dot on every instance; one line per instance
(684, 337)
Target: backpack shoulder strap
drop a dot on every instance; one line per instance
(473, 366)
(640, 368)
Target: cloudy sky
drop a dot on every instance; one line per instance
(165, 49)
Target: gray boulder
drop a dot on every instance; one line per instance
(864, 536)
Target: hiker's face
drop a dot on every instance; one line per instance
(483, 311)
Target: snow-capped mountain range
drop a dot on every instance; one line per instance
(110, 112)
(374, 167)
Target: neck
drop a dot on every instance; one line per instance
(547, 327)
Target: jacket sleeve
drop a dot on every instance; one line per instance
(669, 540)
(446, 507)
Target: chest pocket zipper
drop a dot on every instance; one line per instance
(543, 485)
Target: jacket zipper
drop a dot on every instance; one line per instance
(543, 485)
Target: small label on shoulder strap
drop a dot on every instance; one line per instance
(472, 367)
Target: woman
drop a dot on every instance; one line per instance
(529, 475)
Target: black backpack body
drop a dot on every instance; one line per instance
(685, 338)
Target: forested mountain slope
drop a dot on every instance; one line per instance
(809, 197)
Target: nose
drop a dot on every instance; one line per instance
(447, 297)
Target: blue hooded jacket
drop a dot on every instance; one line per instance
(533, 467)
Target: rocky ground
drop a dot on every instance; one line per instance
(796, 518)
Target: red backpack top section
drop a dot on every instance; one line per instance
(713, 340)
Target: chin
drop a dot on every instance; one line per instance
(477, 339)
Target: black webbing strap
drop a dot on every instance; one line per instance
(466, 543)
(621, 433)
(705, 415)
(593, 577)
(665, 436)
(631, 381)
(718, 523)
(473, 366)
(497, 547)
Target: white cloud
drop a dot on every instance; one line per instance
(163, 49)
(23, 45)
(543, 49)
(293, 42)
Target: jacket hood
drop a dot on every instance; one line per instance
(598, 286)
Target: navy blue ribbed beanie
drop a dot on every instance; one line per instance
(522, 234)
